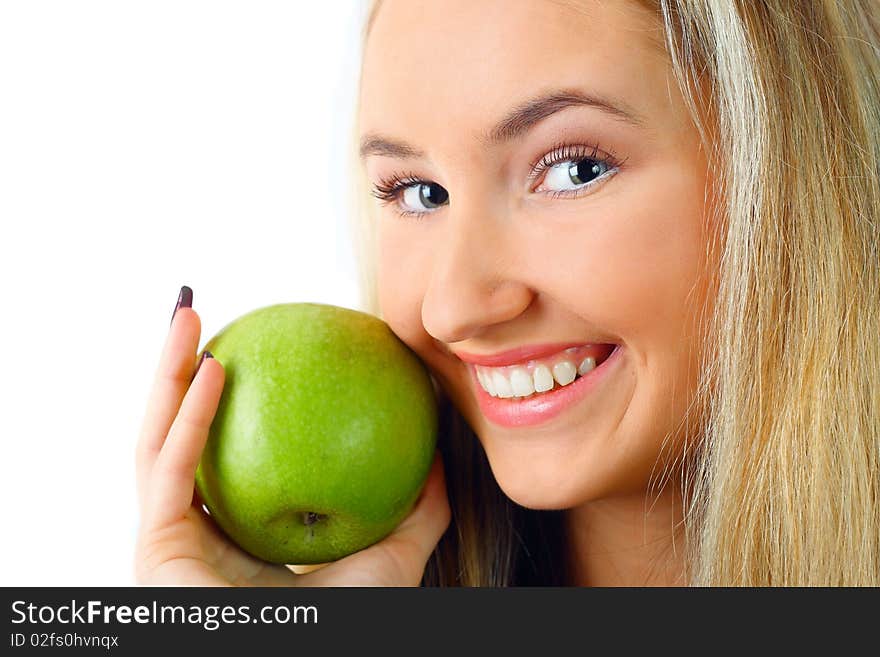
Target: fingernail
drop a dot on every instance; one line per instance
(184, 300)
(205, 354)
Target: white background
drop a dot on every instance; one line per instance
(143, 146)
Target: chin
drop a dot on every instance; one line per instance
(543, 487)
(540, 499)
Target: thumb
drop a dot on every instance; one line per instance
(412, 542)
(400, 558)
(431, 514)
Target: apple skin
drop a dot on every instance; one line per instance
(324, 434)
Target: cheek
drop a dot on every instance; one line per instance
(634, 271)
(654, 269)
(633, 260)
(400, 296)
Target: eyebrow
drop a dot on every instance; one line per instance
(519, 121)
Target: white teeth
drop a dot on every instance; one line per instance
(486, 381)
(542, 378)
(521, 382)
(586, 365)
(524, 381)
(503, 388)
(564, 372)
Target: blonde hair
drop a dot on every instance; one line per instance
(784, 486)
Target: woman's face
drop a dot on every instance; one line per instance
(526, 228)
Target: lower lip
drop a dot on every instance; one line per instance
(529, 411)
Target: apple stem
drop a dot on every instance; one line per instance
(310, 518)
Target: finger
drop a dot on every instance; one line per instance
(173, 376)
(173, 475)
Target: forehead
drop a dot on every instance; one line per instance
(434, 63)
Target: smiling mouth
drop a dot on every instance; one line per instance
(543, 375)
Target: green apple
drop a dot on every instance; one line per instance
(324, 434)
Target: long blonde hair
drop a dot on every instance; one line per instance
(784, 486)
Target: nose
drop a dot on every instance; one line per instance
(475, 281)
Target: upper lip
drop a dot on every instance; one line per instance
(519, 354)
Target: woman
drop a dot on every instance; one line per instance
(637, 245)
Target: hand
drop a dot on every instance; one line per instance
(179, 543)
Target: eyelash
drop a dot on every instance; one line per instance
(388, 189)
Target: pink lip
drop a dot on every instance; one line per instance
(518, 355)
(542, 407)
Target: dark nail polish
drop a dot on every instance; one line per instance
(184, 300)
(205, 354)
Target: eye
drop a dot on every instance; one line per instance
(572, 169)
(413, 196)
(424, 195)
(571, 175)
